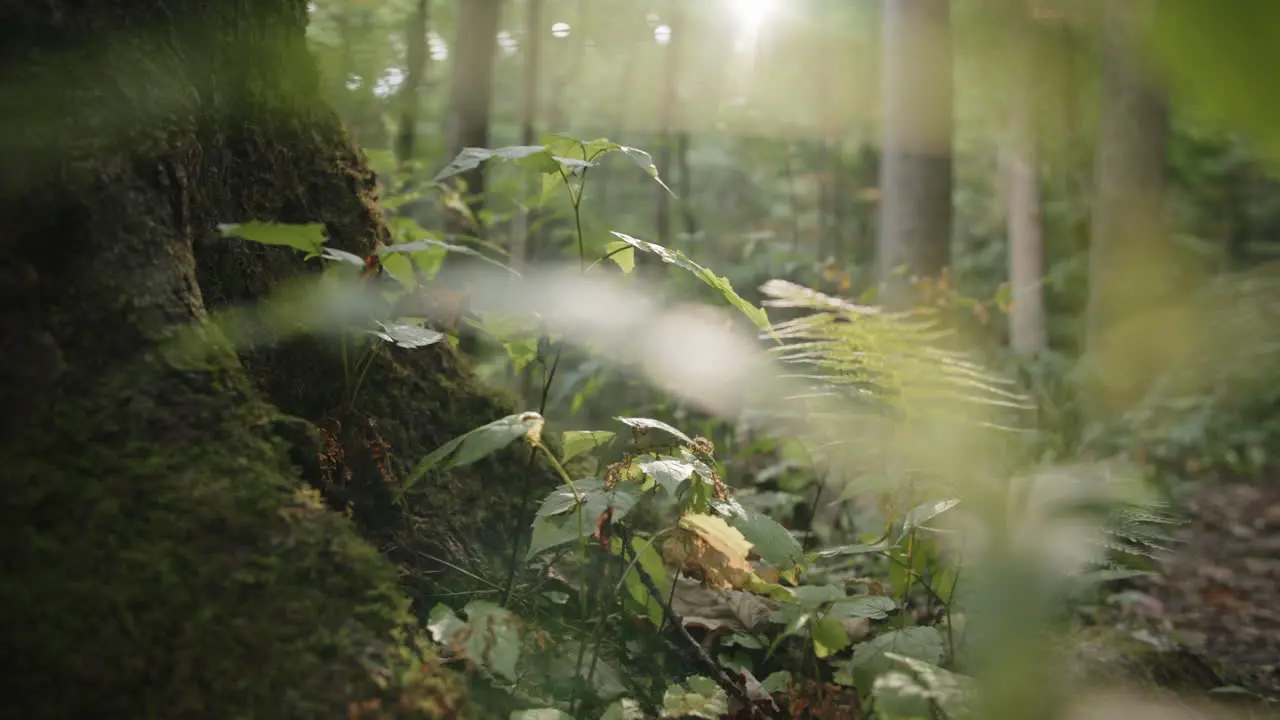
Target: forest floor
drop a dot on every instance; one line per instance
(1218, 591)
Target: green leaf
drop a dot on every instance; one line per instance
(651, 562)
(476, 444)
(468, 159)
(308, 238)
(522, 352)
(342, 256)
(645, 161)
(922, 514)
(850, 550)
(899, 697)
(622, 254)
(443, 624)
(494, 641)
(876, 607)
(540, 714)
(772, 542)
(674, 257)
(407, 336)
(702, 699)
(642, 426)
(812, 597)
(776, 682)
(564, 498)
(623, 709)
(557, 525)
(401, 268)
(829, 637)
(576, 442)
(869, 659)
(667, 472)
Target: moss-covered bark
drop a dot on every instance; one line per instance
(162, 556)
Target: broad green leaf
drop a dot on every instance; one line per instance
(468, 159)
(522, 352)
(829, 637)
(953, 693)
(407, 336)
(645, 161)
(674, 257)
(772, 542)
(400, 268)
(576, 442)
(622, 254)
(642, 426)
(869, 660)
(342, 256)
(778, 681)
(565, 146)
(476, 444)
(540, 714)
(651, 562)
(443, 624)
(564, 498)
(812, 597)
(494, 641)
(702, 699)
(429, 245)
(557, 525)
(667, 472)
(596, 148)
(623, 709)
(899, 697)
(876, 607)
(485, 441)
(542, 161)
(922, 514)
(308, 238)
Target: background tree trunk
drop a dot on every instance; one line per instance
(916, 166)
(471, 90)
(163, 556)
(410, 93)
(1027, 332)
(1129, 253)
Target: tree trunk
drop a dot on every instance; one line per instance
(1128, 255)
(471, 92)
(410, 94)
(1027, 335)
(915, 169)
(163, 555)
(524, 221)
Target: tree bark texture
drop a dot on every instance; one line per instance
(916, 165)
(164, 556)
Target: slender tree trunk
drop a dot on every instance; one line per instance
(686, 184)
(471, 92)
(668, 119)
(1027, 334)
(163, 557)
(1128, 256)
(528, 125)
(916, 166)
(415, 79)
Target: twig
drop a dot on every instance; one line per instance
(717, 673)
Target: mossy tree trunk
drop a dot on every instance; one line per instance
(164, 557)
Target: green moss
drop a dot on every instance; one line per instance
(169, 565)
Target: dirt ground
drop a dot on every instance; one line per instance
(1218, 592)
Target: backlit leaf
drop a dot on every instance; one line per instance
(308, 238)
(576, 442)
